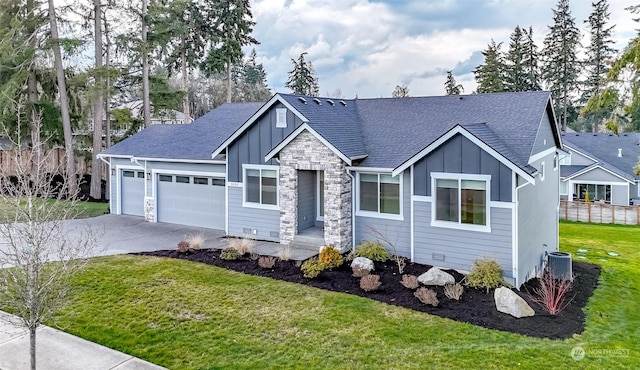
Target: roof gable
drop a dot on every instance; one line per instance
(604, 148)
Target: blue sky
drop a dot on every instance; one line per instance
(367, 47)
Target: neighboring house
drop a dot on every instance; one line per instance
(600, 165)
(448, 179)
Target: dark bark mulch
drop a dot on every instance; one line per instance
(476, 307)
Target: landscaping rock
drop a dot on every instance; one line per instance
(363, 263)
(435, 276)
(507, 301)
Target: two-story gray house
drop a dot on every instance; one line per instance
(450, 178)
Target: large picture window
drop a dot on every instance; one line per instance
(595, 192)
(461, 201)
(261, 186)
(380, 193)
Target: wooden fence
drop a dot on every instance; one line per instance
(55, 162)
(600, 213)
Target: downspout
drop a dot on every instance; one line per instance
(515, 269)
(353, 209)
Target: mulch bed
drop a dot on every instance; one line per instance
(476, 307)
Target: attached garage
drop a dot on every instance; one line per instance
(194, 200)
(132, 192)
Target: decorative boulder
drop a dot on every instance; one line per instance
(362, 263)
(435, 276)
(507, 301)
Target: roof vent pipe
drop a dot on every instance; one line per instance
(619, 152)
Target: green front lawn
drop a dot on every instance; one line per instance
(82, 209)
(185, 315)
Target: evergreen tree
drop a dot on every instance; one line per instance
(530, 62)
(450, 85)
(400, 91)
(302, 79)
(233, 25)
(516, 76)
(560, 69)
(490, 75)
(598, 58)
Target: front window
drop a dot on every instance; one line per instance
(380, 193)
(261, 186)
(592, 192)
(462, 201)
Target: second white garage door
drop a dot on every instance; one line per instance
(191, 200)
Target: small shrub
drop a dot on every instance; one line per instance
(242, 245)
(427, 296)
(373, 251)
(183, 247)
(285, 253)
(370, 283)
(266, 262)
(360, 272)
(330, 256)
(410, 281)
(196, 241)
(230, 254)
(552, 293)
(311, 268)
(454, 291)
(254, 256)
(485, 273)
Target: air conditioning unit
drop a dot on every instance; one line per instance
(559, 265)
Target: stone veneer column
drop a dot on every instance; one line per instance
(306, 152)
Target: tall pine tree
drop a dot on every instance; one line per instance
(530, 61)
(516, 77)
(560, 56)
(450, 85)
(598, 59)
(490, 75)
(302, 79)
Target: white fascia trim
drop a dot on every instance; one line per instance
(370, 169)
(226, 195)
(542, 154)
(411, 220)
(173, 160)
(587, 182)
(114, 156)
(298, 131)
(461, 130)
(574, 149)
(593, 167)
(421, 198)
(275, 98)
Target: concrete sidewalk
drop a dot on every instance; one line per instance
(60, 351)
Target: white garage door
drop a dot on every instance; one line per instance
(132, 192)
(191, 200)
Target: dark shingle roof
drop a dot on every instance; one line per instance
(568, 170)
(604, 147)
(194, 141)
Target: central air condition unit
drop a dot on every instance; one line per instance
(559, 265)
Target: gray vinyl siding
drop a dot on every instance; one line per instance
(460, 155)
(620, 195)
(544, 138)
(306, 199)
(537, 220)
(258, 140)
(461, 247)
(578, 159)
(633, 193)
(242, 220)
(597, 174)
(397, 231)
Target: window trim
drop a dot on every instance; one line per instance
(378, 214)
(260, 167)
(319, 218)
(459, 225)
(281, 123)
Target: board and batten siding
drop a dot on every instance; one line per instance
(244, 220)
(461, 155)
(461, 247)
(396, 231)
(252, 146)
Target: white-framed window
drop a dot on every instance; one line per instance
(379, 195)
(260, 186)
(461, 201)
(592, 192)
(281, 117)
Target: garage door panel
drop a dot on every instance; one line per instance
(132, 192)
(194, 203)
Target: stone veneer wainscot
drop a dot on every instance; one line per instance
(306, 152)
